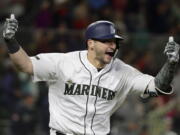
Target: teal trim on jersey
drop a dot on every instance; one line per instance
(88, 94)
(96, 97)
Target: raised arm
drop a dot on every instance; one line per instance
(161, 85)
(18, 56)
(166, 74)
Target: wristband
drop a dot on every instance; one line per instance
(165, 77)
(12, 45)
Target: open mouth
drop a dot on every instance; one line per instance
(110, 53)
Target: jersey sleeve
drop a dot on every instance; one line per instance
(144, 84)
(139, 82)
(45, 66)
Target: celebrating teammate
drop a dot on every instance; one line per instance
(87, 87)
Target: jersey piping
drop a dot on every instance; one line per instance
(87, 95)
(96, 98)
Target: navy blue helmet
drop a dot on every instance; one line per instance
(102, 30)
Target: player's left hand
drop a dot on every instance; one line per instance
(172, 52)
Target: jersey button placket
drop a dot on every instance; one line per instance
(91, 104)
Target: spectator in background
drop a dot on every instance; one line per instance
(24, 117)
(44, 17)
(97, 5)
(157, 118)
(60, 38)
(175, 113)
(146, 63)
(80, 16)
(43, 41)
(9, 86)
(176, 119)
(62, 13)
(119, 5)
(158, 16)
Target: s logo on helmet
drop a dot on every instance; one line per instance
(112, 30)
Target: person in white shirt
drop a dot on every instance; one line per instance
(87, 87)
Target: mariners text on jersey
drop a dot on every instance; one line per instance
(83, 89)
(83, 97)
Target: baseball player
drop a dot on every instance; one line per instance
(87, 87)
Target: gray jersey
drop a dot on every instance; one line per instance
(81, 99)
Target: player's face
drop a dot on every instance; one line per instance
(104, 50)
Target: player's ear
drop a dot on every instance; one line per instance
(90, 44)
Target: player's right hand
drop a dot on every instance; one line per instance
(10, 27)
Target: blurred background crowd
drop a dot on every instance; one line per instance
(58, 26)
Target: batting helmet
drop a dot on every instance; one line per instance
(102, 30)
